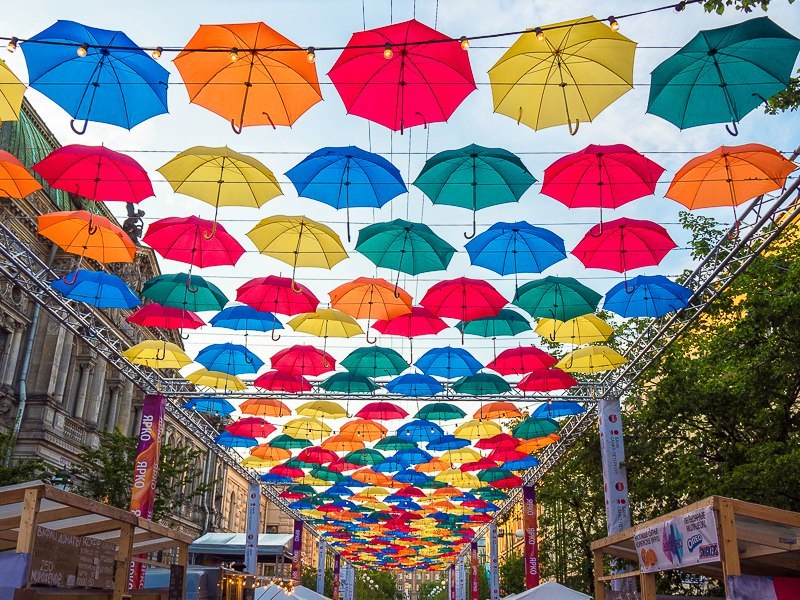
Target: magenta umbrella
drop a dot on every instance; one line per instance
(463, 298)
(303, 360)
(165, 317)
(420, 321)
(624, 244)
(194, 241)
(521, 360)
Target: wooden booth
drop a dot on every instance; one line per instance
(55, 544)
(747, 546)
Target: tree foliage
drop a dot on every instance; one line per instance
(374, 584)
(434, 590)
(512, 574)
(20, 471)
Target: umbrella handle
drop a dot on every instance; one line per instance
(74, 279)
(210, 235)
(629, 290)
(269, 119)
(184, 337)
(735, 131)
(159, 355)
(274, 339)
(373, 340)
(296, 290)
(474, 229)
(82, 130)
(577, 125)
(91, 229)
(236, 130)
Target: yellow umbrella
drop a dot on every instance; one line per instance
(216, 380)
(458, 479)
(306, 428)
(377, 505)
(342, 443)
(321, 409)
(374, 491)
(11, 92)
(258, 463)
(562, 73)
(326, 322)
(309, 479)
(157, 355)
(478, 430)
(461, 455)
(586, 329)
(311, 513)
(591, 359)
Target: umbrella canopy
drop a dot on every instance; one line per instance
(477, 430)
(232, 359)
(12, 91)
(348, 383)
(403, 246)
(624, 244)
(419, 430)
(647, 296)
(381, 411)
(498, 410)
(326, 322)
(463, 298)
(520, 247)
(364, 429)
(505, 323)
(280, 381)
(265, 407)
(228, 440)
(185, 291)
(306, 428)
(157, 355)
(303, 360)
(521, 360)
(481, 384)
(371, 298)
(576, 69)
(551, 410)
(448, 362)
(262, 79)
(87, 235)
(394, 76)
(586, 329)
(439, 411)
(15, 180)
(95, 173)
(211, 406)
(420, 321)
(414, 384)
(374, 362)
(280, 295)
(341, 443)
(501, 441)
(267, 452)
(534, 427)
(474, 177)
(591, 359)
(245, 318)
(447, 442)
(165, 317)
(110, 81)
(97, 288)
(288, 442)
(321, 409)
(250, 427)
(561, 298)
(216, 380)
(193, 241)
(722, 74)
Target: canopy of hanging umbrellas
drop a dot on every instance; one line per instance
(403, 477)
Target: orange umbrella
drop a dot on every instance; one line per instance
(368, 476)
(372, 299)
(267, 452)
(363, 429)
(498, 410)
(342, 443)
(15, 181)
(265, 407)
(432, 466)
(262, 78)
(529, 446)
(87, 235)
(446, 492)
(730, 176)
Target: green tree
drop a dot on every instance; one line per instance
(23, 470)
(374, 584)
(512, 574)
(434, 590)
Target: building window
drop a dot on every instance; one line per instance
(271, 529)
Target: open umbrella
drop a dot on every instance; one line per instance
(448, 362)
(190, 240)
(211, 406)
(321, 409)
(232, 359)
(275, 294)
(414, 384)
(521, 360)
(303, 360)
(87, 235)
(165, 317)
(306, 428)
(381, 411)
(498, 410)
(250, 427)
(562, 73)
(561, 298)
(325, 323)
(505, 323)
(647, 296)
(184, 291)
(439, 411)
(228, 440)
(420, 321)
(12, 91)
(591, 359)
(15, 180)
(261, 77)
(157, 355)
(396, 77)
(374, 362)
(563, 408)
(216, 380)
(364, 429)
(288, 442)
(481, 384)
(97, 288)
(477, 429)
(108, 80)
(419, 430)
(463, 298)
(586, 329)
(247, 319)
(534, 427)
(265, 407)
(280, 381)
(348, 383)
(474, 177)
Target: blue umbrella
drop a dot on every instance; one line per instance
(420, 431)
(97, 288)
(210, 406)
(412, 456)
(521, 463)
(340, 490)
(647, 296)
(228, 440)
(274, 478)
(447, 442)
(246, 318)
(302, 504)
(407, 504)
(96, 75)
(412, 477)
(550, 410)
(414, 384)
(448, 362)
(390, 465)
(345, 177)
(233, 359)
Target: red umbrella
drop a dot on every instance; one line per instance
(303, 360)
(330, 508)
(480, 518)
(165, 317)
(624, 244)
(275, 294)
(194, 241)
(410, 492)
(341, 465)
(546, 380)
(289, 495)
(278, 381)
(391, 76)
(251, 427)
(521, 360)
(507, 455)
(95, 173)
(601, 176)
(478, 465)
(317, 455)
(463, 298)
(512, 481)
(420, 321)
(501, 441)
(381, 411)
(285, 471)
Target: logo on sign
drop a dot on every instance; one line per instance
(709, 552)
(693, 542)
(612, 418)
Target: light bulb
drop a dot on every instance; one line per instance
(387, 51)
(234, 54)
(539, 34)
(310, 56)
(157, 52)
(12, 44)
(680, 6)
(613, 23)
(464, 42)
(83, 49)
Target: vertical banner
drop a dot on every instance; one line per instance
(351, 581)
(337, 565)
(531, 531)
(451, 580)
(145, 471)
(494, 563)
(252, 527)
(297, 549)
(473, 567)
(321, 567)
(461, 579)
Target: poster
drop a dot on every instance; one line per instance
(297, 549)
(615, 478)
(473, 567)
(530, 526)
(494, 563)
(96, 564)
(252, 528)
(451, 579)
(337, 566)
(685, 540)
(321, 567)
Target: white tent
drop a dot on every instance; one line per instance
(550, 590)
(273, 592)
(306, 594)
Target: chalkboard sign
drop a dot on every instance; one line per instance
(54, 561)
(96, 564)
(177, 578)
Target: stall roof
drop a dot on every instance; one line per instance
(232, 544)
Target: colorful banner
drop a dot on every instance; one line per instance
(252, 528)
(451, 579)
(615, 478)
(145, 471)
(530, 528)
(461, 579)
(297, 549)
(321, 550)
(681, 541)
(337, 565)
(473, 567)
(494, 563)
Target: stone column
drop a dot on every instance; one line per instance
(61, 369)
(83, 387)
(124, 410)
(12, 356)
(97, 393)
(113, 408)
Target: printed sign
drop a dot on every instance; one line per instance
(531, 543)
(684, 540)
(473, 566)
(615, 478)
(321, 567)
(252, 528)
(451, 577)
(494, 563)
(337, 566)
(297, 549)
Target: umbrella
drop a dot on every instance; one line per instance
(262, 78)
(165, 317)
(420, 321)
(365, 457)
(317, 455)
(307, 429)
(601, 176)
(348, 383)
(265, 407)
(561, 298)
(477, 430)
(303, 360)
(474, 177)
(419, 430)
(232, 359)
(414, 384)
(439, 411)
(15, 180)
(374, 362)
(534, 427)
(395, 77)
(521, 360)
(185, 291)
(478, 465)
(591, 359)
(447, 442)
(211, 406)
(342, 443)
(505, 323)
(498, 410)
(280, 381)
(288, 442)
(458, 478)
(551, 410)
(194, 241)
(347, 177)
(448, 362)
(246, 318)
(647, 296)
(216, 380)
(157, 355)
(481, 384)
(371, 298)
(381, 411)
(463, 298)
(95, 173)
(325, 323)
(461, 455)
(250, 427)
(519, 247)
(586, 329)
(87, 235)
(228, 440)
(412, 456)
(564, 72)
(521, 464)
(722, 74)
(364, 429)
(277, 294)
(12, 91)
(546, 380)
(501, 441)
(109, 80)
(97, 288)
(298, 241)
(256, 463)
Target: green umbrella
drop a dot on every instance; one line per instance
(325, 474)
(490, 475)
(374, 362)
(439, 411)
(364, 457)
(561, 298)
(296, 463)
(347, 383)
(393, 442)
(490, 494)
(481, 384)
(184, 290)
(287, 442)
(722, 74)
(474, 177)
(431, 484)
(322, 498)
(532, 428)
(506, 323)
(301, 488)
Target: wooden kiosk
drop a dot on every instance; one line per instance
(38, 520)
(753, 540)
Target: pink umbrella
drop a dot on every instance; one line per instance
(194, 241)
(278, 381)
(478, 465)
(165, 317)
(381, 411)
(521, 360)
(464, 299)
(546, 380)
(251, 427)
(317, 455)
(276, 294)
(501, 441)
(303, 360)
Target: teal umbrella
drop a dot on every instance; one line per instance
(561, 298)
(506, 323)
(474, 177)
(364, 457)
(490, 494)
(287, 442)
(440, 411)
(532, 428)
(496, 474)
(325, 474)
(482, 384)
(374, 362)
(393, 442)
(185, 291)
(722, 74)
(347, 383)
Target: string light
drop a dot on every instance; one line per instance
(311, 56)
(539, 34)
(464, 42)
(12, 44)
(387, 51)
(157, 52)
(83, 49)
(613, 23)
(234, 54)
(680, 6)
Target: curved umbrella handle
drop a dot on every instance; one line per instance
(210, 235)
(735, 131)
(599, 231)
(248, 359)
(91, 228)
(236, 130)
(629, 290)
(74, 278)
(191, 289)
(577, 125)
(296, 290)
(474, 228)
(159, 355)
(274, 339)
(266, 114)
(373, 340)
(79, 131)
(184, 337)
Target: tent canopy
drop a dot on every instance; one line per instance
(232, 544)
(550, 590)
